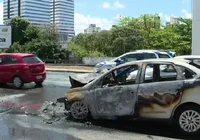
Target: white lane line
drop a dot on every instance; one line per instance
(8, 97)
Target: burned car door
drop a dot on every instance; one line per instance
(159, 93)
(118, 94)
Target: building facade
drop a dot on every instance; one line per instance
(36, 11)
(62, 15)
(92, 28)
(172, 20)
(40, 12)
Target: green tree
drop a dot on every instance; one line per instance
(19, 27)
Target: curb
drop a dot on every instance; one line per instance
(64, 70)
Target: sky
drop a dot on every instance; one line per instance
(105, 13)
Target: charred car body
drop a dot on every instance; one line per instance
(171, 91)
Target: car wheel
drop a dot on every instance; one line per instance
(188, 120)
(39, 83)
(18, 82)
(79, 110)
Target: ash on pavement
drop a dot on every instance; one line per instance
(52, 112)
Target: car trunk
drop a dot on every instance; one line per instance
(34, 64)
(79, 80)
(37, 68)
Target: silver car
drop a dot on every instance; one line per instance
(161, 89)
(129, 57)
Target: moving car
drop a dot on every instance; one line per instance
(171, 93)
(21, 68)
(129, 57)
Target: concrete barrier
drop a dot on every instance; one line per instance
(95, 60)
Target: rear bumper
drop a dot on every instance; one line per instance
(34, 77)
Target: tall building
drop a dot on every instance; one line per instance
(92, 28)
(172, 20)
(62, 15)
(39, 12)
(36, 11)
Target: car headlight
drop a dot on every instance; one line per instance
(98, 65)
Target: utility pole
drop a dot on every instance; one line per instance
(195, 27)
(53, 16)
(8, 9)
(19, 8)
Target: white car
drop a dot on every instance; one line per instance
(129, 57)
(193, 59)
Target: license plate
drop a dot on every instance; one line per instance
(39, 77)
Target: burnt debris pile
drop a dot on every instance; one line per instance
(53, 112)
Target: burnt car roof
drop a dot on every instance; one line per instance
(188, 56)
(177, 61)
(170, 60)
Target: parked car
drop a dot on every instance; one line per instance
(129, 57)
(21, 68)
(194, 59)
(171, 93)
(172, 54)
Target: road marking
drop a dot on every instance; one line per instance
(11, 96)
(21, 105)
(7, 97)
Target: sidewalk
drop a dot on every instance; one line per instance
(69, 70)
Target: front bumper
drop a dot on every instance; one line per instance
(65, 101)
(97, 70)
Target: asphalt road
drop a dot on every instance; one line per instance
(23, 116)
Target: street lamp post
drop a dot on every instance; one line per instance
(195, 27)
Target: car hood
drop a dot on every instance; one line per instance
(79, 80)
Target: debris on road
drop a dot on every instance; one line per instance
(52, 112)
(4, 107)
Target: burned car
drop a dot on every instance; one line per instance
(171, 91)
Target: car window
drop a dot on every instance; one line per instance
(121, 76)
(195, 62)
(160, 72)
(187, 73)
(31, 59)
(9, 60)
(149, 56)
(163, 56)
(132, 57)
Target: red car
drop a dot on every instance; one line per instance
(21, 68)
